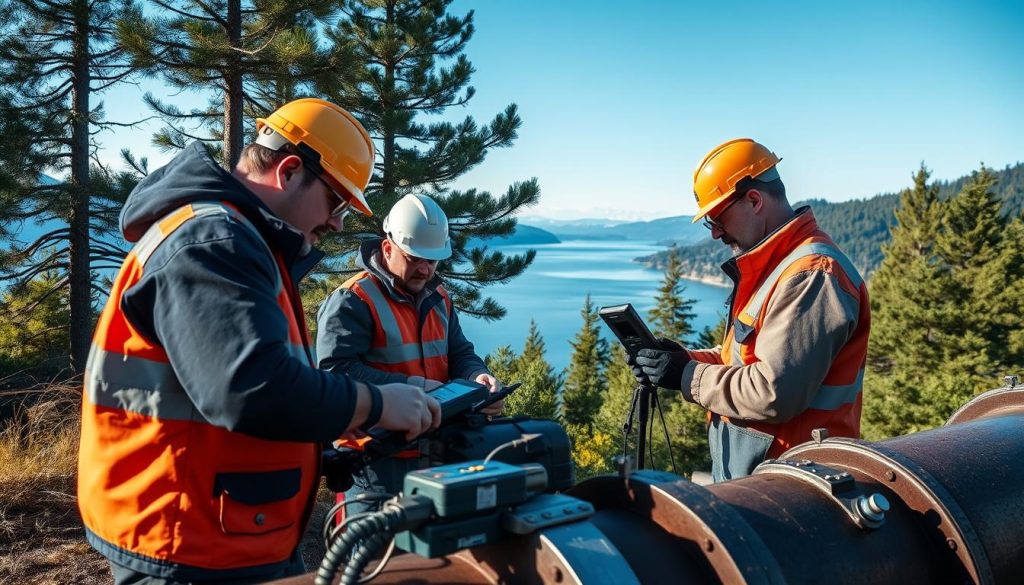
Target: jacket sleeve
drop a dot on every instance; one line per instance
(344, 330)
(463, 362)
(711, 355)
(808, 321)
(209, 297)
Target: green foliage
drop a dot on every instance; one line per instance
(586, 377)
(55, 57)
(538, 395)
(34, 329)
(409, 64)
(687, 428)
(618, 397)
(946, 320)
(249, 56)
(711, 336)
(672, 314)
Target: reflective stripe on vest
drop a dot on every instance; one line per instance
(834, 397)
(395, 349)
(744, 322)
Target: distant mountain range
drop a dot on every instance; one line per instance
(524, 235)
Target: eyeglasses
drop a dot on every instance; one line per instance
(711, 224)
(341, 209)
(411, 259)
(417, 259)
(311, 158)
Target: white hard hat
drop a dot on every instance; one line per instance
(418, 225)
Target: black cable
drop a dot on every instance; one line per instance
(364, 554)
(366, 536)
(330, 530)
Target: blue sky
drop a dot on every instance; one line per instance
(621, 100)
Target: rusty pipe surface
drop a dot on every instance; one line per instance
(940, 506)
(998, 402)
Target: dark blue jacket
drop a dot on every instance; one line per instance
(208, 298)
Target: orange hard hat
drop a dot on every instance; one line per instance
(332, 142)
(716, 176)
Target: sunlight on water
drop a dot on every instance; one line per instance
(552, 291)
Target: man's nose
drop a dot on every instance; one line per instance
(717, 232)
(336, 223)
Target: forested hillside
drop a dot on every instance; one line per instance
(859, 226)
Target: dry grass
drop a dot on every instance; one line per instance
(41, 538)
(41, 535)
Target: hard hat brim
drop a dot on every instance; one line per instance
(355, 195)
(714, 205)
(438, 254)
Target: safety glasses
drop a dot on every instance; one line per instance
(340, 209)
(711, 224)
(311, 158)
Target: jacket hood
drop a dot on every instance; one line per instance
(194, 176)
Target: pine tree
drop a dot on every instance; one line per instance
(618, 398)
(972, 247)
(410, 63)
(687, 426)
(55, 57)
(503, 363)
(906, 305)
(711, 336)
(538, 395)
(685, 423)
(672, 314)
(248, 56)
(35, 346)
(940, 327)
(586, 377)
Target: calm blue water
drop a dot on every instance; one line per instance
(553, 288)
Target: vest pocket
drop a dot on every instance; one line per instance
(735, 450)
(257, 502)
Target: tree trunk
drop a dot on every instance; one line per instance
(78, 243)
(233, 95)
(388, 178)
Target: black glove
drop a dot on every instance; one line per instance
(669, 344)
(661, 368)
(638, 372)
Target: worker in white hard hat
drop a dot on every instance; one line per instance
(394, 322)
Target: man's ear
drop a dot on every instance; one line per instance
(385, 247)
(756, 199)
(288, 169)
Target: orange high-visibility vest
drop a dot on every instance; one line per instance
(837, 406)
(400, 343)
(157, 483)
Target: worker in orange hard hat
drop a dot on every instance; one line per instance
(793, 355)
(202, 411)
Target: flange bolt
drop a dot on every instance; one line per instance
(873, 507)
